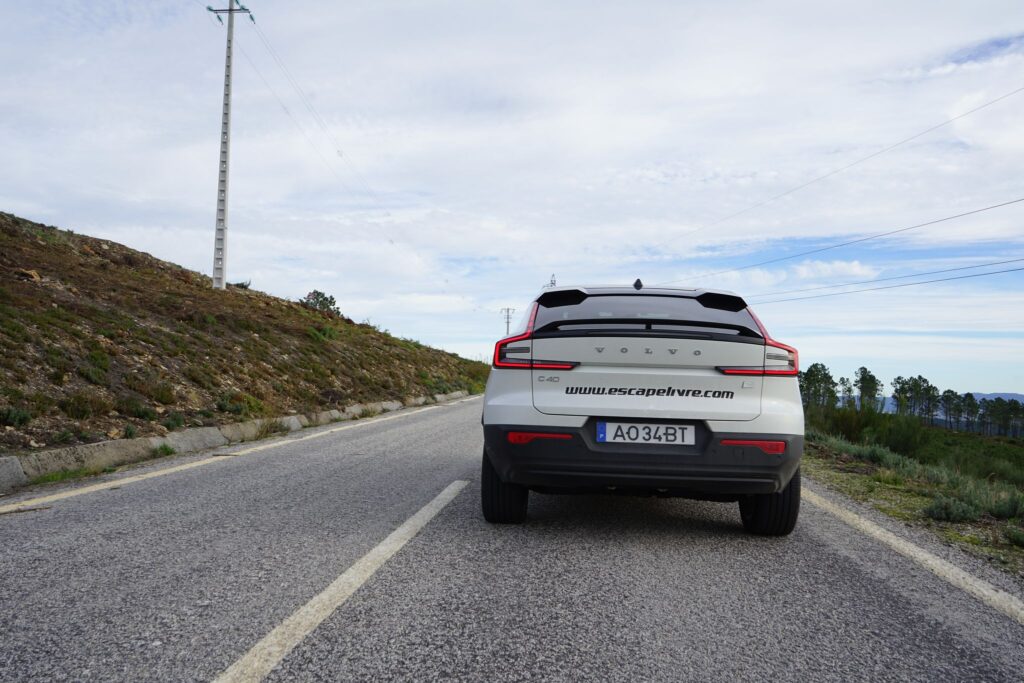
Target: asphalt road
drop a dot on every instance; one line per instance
(176, 577)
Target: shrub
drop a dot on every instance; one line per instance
(151, 387)
(322, 334)
(1014, 535)
(951, 510)
(129, 405)
(174, 421)
(901, 433)
(886, 476)
(129, 431)
(162, 450)
(240, 403)
(93, 375)
(14, 417)
(98, 358)
(81, 405)
(201, 376)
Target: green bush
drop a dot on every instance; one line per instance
(951, 510)
(162, 450)
(14, 417)
(174, 421)
(241, 404)
(98, 358)
(322, 334)
(1015, 535)
(130, 405)
(901, 433)
(93, 375)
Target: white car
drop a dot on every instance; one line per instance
(648, 391)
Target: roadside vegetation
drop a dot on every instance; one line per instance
(100, 341)
(968, 486)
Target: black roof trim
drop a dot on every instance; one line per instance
(573, 296)
(723, 302)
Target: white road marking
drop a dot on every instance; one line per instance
(317, 435)
(114, 483)
(11, 507)
(1006, 603)
(275, 646)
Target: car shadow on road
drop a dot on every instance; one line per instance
(611, 514)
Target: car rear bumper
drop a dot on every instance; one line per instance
(579, 463)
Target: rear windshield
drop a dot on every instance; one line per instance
(639, 312)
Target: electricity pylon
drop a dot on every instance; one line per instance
(507, 312)
(220, 241)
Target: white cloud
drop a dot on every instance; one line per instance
(503, 143)
(816, 270)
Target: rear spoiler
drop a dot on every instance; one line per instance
(572, 297)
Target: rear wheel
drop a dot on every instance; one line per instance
(502, 503)
(772, 514)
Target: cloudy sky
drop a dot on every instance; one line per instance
(455, 154)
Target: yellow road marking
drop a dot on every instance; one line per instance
(275, 646)
(1008, 604)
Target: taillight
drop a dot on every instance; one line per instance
(521, 438)
(779, 359)
(504, 347)
(769, 447)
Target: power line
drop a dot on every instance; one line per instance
(299, 126)
(847, 243)
(291, 116)
(321, 123)
(905, 284)
(888, 279)
(850, 165)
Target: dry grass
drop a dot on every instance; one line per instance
(108, 337)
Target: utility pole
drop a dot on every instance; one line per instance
(220, 242)
(507, 312)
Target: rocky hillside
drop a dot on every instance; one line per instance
(99, 341)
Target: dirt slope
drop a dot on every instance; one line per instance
(100, 341)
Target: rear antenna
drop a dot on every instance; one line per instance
(638, 285)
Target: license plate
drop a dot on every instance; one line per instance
(633, 432)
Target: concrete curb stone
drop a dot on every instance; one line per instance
(196, 439)
(11, 474)
(92, 456)
(240, 431)
(16, 471)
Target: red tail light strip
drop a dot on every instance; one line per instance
(526, 364)
(769, 447)
(757, 371)
(768, 341)
(522, 438)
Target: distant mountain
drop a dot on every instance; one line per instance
(1007, 396)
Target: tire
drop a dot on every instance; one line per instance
(502, 503)
(772, 514)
